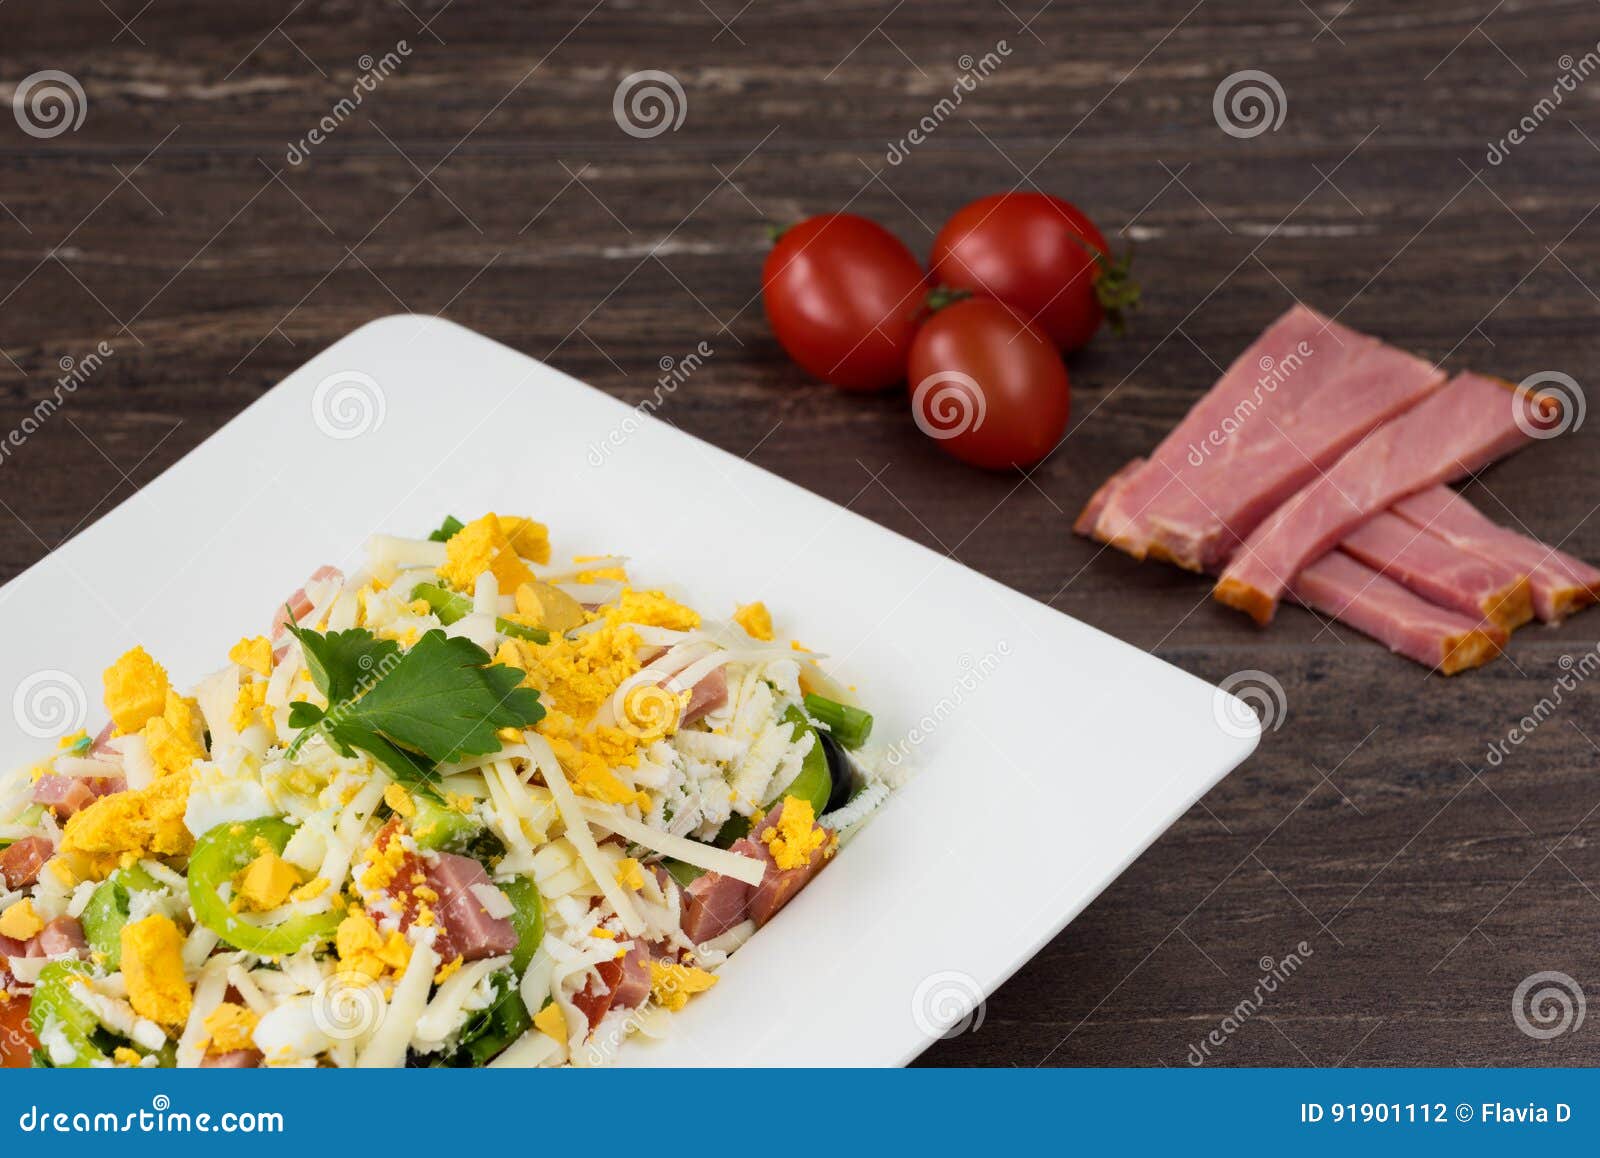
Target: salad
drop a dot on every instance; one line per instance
(462, 807)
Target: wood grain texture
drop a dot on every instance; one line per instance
(487, 179)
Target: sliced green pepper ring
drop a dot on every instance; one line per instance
(218, 856)
(54, 1004)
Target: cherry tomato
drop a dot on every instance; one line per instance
(17, 1042)
(1040, 255)
(987, 386)
(844, 296)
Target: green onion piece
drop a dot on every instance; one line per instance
(223, 852)
(850, 726)
(450, 606)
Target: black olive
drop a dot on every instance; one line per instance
(841, 771)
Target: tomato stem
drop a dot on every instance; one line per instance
(1115, 289)
(776, 231)
(941, 296)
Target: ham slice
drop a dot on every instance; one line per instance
(779, 886)
(68, 795)
(706, 696)
(1302, 394)
(1084, 524)
(1440, 571)
(21, 861)
(299, 604)
(1468, 424)
(1339, 586)
(713, 904)
(466, 928)
(62, 935)
(1560, 584)
(238, 1059)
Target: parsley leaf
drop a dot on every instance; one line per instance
(440, 701)
(343, 663)
(447, 530)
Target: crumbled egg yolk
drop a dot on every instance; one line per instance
(255, 654)
(363, 949)
(672, 984)
(72, 741)
(448, 970)
(652, 609)
(252, 698)
(231, 1027)
(125, 827)
(176, 736)
(577, 675)
(125, 1056)
(551, 1022)
(756, 620)
(399, 800)
(136, 690)
(265, 883)
(629, 874)
(311, 890)
(796, 835)
(152, 966)
(483, 545)
(21, 922)
(591, 772)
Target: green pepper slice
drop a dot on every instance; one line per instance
(449, 607)
(107, 912)
(218, 856)
(528, 921)
(53, 1002)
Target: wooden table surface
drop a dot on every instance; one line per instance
(486, 178)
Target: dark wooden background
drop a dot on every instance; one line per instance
(488, 180)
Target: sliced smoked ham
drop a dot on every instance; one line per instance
(1301, 395)
(21, 861)
(1560, 584)
(1469, 423)
(1441, 572)
(1347, 590)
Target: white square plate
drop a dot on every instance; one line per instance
(1048, 754)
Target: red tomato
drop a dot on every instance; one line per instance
(17, 1042)
(844, 296)
(987, 386)
(1040, 255)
